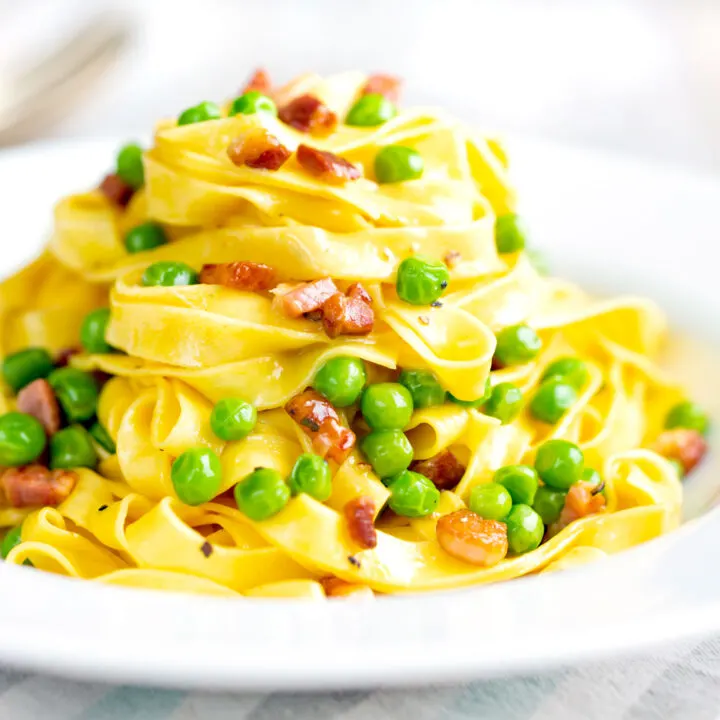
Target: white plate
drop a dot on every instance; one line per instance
(614, 225)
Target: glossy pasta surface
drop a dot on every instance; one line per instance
(180, 350)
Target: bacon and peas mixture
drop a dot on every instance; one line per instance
(55, 431)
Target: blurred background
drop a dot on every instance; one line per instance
(639, 77)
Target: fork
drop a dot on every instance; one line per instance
(33, 99)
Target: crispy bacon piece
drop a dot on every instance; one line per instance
(356, 290)
(63, 357)
(35, 485)
(686, 446)
(443, 469)
(326, 165)
(259, 81)
(335, 587)
(116, 190)
(308, 114)
(258, 149)
(385, 85)
(306, 297)
(243, 275)
(360, 514)
(38, 399)
(468, 537)
(320, 421)
(580, 501)
(344, 315)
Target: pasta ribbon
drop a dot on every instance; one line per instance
(174, 356)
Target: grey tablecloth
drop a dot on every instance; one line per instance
(682, 683)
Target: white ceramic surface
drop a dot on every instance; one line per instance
(610, 224)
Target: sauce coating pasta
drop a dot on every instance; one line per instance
(298, 348)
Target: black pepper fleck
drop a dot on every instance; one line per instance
(598, 489)
(443, 284)
(436, 303)
(353, 561)
(206, 549)
(102, 507)
(310, 423)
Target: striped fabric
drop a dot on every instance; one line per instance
(682, 683)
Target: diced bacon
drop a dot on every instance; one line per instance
(385, 85)
(116, 190)
(38, 399)
(360, 516)
(581, 500)
(344, 315)
(250, 276)
(35, 485)
(259, 81)
(356, 290)
(308, 114)
(258, 149)
(327, 166)
(686, 446)
(319, 419)
(335, 588)
(307, 297)
(63, 357)
(475, 540)
(443, 469)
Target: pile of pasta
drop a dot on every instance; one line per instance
(178, 350)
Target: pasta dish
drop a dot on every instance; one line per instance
(300, 347)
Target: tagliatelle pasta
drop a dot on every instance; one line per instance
(327, 367)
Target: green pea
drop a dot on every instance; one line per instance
(388, 451)
(262, 494)
(592, 476)
(13, 538)
(144, 237)
(412, 495)
(130, 165)
(516, 345)
(687, 415)
(22, 367)
(424, 388)
(370, 110)
(252, 102)
(479, 402)
(77, 392)
(548, 503)
(421, 280)
(341, 380)
(196, 476)
(169, 274)
(490, 501)
(72, 447)
(552, 400)
(22, 439)
(102, 437)
(233, 419)
(93, 329)
(311, 475)
(199, 113)
(521, 481)
(386, 406)
(572, 370)
(510, 234)
(525, 529)
(504, 403)
(559, 463)
(397, 163)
